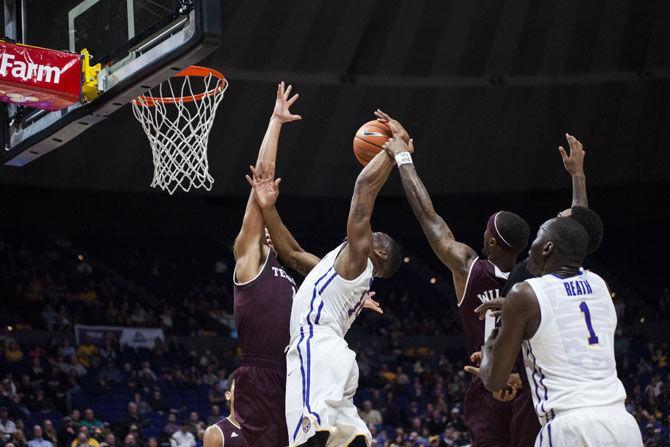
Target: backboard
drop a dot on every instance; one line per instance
(139, 44)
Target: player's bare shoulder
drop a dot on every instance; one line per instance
(213, 437)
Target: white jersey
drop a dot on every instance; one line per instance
(570, 359)
(321, 370)
(325, 299)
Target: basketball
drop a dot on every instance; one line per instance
(369, 140)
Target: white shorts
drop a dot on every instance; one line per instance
(321, 380)
(610, 426)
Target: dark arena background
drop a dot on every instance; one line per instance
(487, 89)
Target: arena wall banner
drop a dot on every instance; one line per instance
(135, 337)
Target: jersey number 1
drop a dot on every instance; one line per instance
(593, 339)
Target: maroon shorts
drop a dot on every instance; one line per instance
(525, 424)
(488, 419)
(259, 405)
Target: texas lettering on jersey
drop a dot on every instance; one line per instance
(281, 273)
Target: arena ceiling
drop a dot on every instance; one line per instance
(487, 88)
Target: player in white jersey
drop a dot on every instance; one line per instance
(322, 373)
(566, 322)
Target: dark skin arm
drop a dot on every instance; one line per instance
(250, 252)
(265, 192)
(354, 257)
(520, 320)
(574, 164)
(457, 256)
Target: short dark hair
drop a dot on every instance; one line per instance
(514, 229)
(592, 223)
(569, 237)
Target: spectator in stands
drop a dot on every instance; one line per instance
(40, 402)
(195, 425)
(209, 377)
(108, 351)
(19, 438)
(157, 403)
(7, 426)
(135, 431)
(38, 440)
(217, 395)
(129, 441)
(110, 373)
(110, 441)
(152, 442)
(183, 437)
(86, 352)
(171, 427)
(13, 353)
(8, 389)
(214, 416)
(132, 417)
(89, 420)
(142, 406)
(369, 415)
(84, 438)
(146, 376)
(101, 387)
(68, 432)
(50, 433)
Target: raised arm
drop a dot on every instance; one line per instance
(266, 191)
(249, 251)
(354, 257)
(457, 256)
(574, 164)
(520, 320)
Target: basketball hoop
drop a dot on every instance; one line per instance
(178, 123)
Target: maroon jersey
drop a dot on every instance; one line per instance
(232, 435)
(262, 316)
(263, 312)
(488, 419)
(483, 284)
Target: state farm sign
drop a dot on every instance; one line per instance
(37, 77)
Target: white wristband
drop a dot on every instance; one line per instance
(403, 158)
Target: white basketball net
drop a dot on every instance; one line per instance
(178, 131)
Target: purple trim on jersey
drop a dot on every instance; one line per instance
(539, 370)
(541, 434)
(537, 391)
(302, 375)
(311, 335)
(549, 433)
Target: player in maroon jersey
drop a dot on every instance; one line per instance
(263, 293)
(226, 432)
(476, 280)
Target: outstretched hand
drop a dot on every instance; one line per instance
(396, 128)
(371, 304)
(394, 146)
(510, 390)
(574, 161)
(283, 104)
(264, 185)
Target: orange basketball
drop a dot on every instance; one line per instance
(369, 140)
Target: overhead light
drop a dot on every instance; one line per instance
(80, 257)
(433, 280)
(406, 259)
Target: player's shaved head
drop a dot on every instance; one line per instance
(387, 257)
(560, 242)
